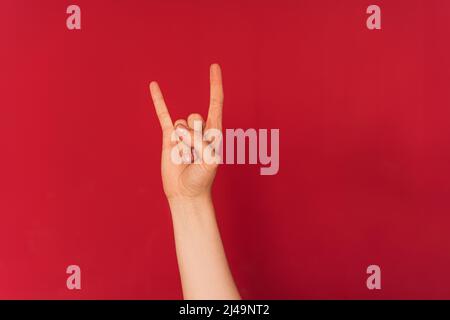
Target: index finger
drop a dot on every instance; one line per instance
(160, 107)
(216, 97)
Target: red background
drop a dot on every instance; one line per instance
(364, 145)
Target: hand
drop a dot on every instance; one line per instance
(202, 262)
(191, 179)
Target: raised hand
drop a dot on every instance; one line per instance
(194, 176)
(188, 167)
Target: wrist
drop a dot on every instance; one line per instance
(183, 199)
(197, 205)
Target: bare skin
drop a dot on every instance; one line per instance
(202, 262)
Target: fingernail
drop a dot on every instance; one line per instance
(181, 130)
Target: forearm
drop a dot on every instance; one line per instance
(204, 269)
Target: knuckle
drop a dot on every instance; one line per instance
(194, 116)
